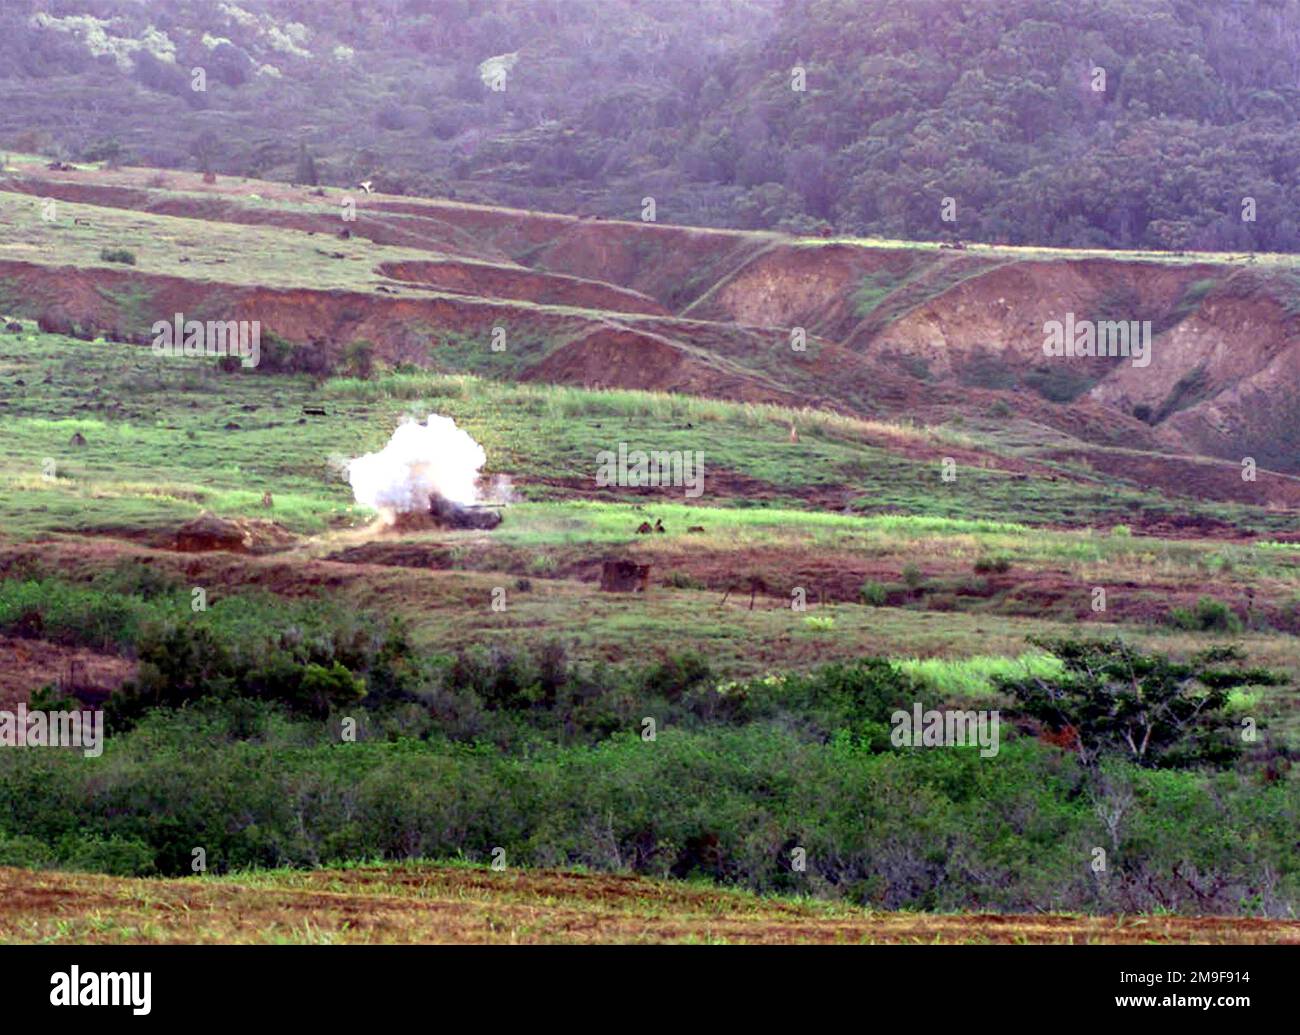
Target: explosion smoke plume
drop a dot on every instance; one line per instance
(422, 463)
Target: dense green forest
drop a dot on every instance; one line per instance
(1135, 123)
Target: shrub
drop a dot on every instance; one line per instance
(179, 663)
(992, 564)
(332, 665)
(1209, 615)
(121, 255)
(542, 564)
(500, 677)
(281, 356)
(68, 613)
(29, 853)
(793, 760)
(132, 578)
(676, 674)
(359, 359)
(322, 689)
(117, 856)
(873, 594)
(52, 698)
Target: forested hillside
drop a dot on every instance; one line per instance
(1133, 123)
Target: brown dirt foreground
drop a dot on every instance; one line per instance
(455, 904)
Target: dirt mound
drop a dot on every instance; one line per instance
(613, 356)
(207, 532)
(619, 576)
(396, 555)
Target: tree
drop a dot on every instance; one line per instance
(109, 151)
(1159, 713)
(205, 148)
(306, 170)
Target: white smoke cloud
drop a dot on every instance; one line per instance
(419, 461)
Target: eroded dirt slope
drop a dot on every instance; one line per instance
(922, 333)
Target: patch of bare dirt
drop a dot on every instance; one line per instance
(29, 664)
(463, 906)
(792, 286)
(771, 573)
(614, 356)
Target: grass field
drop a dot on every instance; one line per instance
(168, 439)
(151, 424)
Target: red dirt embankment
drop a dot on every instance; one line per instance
(592, 350)
(1225, 381)
(614, 356)
(673, 264)
(940, 335)
(1002, 309)
(790, 285)
(401, 328)
(427, 233)
(1224, 370)
(470, 278)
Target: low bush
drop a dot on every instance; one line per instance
(874, 594)
(1209, 615)
(988, 565)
